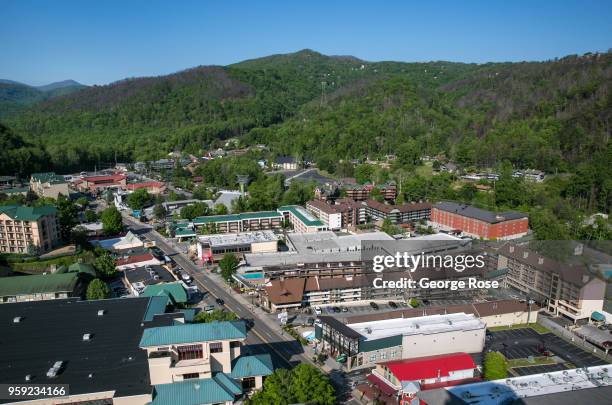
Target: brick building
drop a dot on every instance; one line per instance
(479, 223)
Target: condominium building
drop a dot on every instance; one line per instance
(206, 354)
(23, 228)
(48, 185)
(344, 213)
(398, 214)
(329, 214)
(301, 220)
(569, 290)
(243, 222)
(479, 223)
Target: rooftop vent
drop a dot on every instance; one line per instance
(54, 371)
(90, 375)
(101, 312)
(86, 337)
(28, 377)
(17, 319)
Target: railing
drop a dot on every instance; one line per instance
(573, 338)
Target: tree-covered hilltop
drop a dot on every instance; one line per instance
(553, 116)
(16, 97)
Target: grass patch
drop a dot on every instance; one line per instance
(535, 326)
(425, 170)
(40, 266)
(537, 361)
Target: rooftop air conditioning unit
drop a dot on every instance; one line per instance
(101, 312)
(86, 337)
(17, 319)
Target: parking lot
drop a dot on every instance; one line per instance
(522, 343)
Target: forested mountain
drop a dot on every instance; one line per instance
(15, 96)
(552, 115)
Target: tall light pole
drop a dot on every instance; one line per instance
(243, 180)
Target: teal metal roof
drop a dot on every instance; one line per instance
(16, 190)
(192, 392)
(249, 366)
(302, 214)
(190, 333)
(49, 177)
(184, 232)
(597, 316)
(236, 217)
(24, 213)
(229, 383)
(174, 292)
(155, 306)
(379, 344)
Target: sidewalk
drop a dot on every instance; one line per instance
(263, 316)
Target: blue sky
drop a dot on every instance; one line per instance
(97, 42)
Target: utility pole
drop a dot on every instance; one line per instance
(323, 94)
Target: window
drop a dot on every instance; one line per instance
(248, 383)
(235, 343)
(190, 352)
(393, 354)
(372, 357)
(383, 355)
(191, 375)
(216, 347)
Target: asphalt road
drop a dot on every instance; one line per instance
(262, 338)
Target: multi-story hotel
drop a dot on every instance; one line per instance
(301, 220)
(564, 289)
(479, 223)
(244, 222)
(398, 214)
(23, 228)
(343, 214)
(48, 185)
(203, 353)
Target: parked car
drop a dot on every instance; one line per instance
(219, 301)
(336, 309)
(374, 305)
(344, 309)
(186, 278)
(392, 304)
(317, 310)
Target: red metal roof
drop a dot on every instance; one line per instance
(145, 184)
(113, 177)
(422, 368)
(382, 385)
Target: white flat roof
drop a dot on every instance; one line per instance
(242, 238)
(423, 325)
(500, 391)
(328, 241)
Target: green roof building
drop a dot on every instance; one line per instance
(23, 227)
(243, 222)
(40, 287)
(174, 292)
(301, 220)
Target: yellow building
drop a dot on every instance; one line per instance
(23, 228)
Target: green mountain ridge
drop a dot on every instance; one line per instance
(16, 97)
(551, 115)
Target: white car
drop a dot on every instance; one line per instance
(318, 310)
